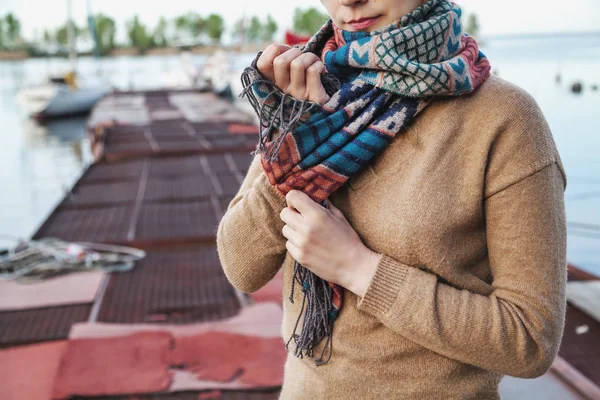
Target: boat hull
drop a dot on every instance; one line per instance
(60, 101)
(68, 102)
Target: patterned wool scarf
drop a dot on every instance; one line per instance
(378, 82)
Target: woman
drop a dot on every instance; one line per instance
(414, 202)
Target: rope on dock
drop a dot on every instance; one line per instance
(35, 260)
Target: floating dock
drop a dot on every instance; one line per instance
(166, 165)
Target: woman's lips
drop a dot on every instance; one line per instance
(363, 23)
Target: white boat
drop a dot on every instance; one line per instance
(66, 94)
(57, 99)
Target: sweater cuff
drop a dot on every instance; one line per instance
(390, 276)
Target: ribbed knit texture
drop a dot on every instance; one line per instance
(386, 283)
(471, 224)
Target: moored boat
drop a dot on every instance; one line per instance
(58, 98)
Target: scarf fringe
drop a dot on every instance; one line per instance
(285, 116)
(319, 314)
(317, 307)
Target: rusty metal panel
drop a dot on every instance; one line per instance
(229, 184)
(173, 167)
(106, 193)
(41, 324)
(102, 224)
(190, 219)
(217, 163)
(176, 286)
(242, 160)
(176, 189)
(118, 171)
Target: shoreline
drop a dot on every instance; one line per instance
(19, 55)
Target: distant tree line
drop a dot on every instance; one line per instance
(187, 29)
(190, 29)
(10, 32)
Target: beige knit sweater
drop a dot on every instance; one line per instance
(471, 285)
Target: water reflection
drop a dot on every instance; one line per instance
(45, 162)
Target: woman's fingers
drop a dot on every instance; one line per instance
(303, 204)
(265, 61)
(334, 210)
(281, 65)
(298, 68)
(292, 235)
(294, 72)
(305, 78)
(316, 91)
(293, 218)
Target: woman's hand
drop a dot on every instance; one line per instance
(323, 241)
(296, 73)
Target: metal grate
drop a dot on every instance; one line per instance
(42, 324)
(169, 127)
(229, 183)
(184, 145)
(176, 189)
(228, 141)
(170, 200)
(217, 163)
(104, 224)
(176, 286)
(209, 128)
(105, 194)
(242, 160)
(118, 171)
(175, 167)
(177, 220)
(125, 134)
(176, 137)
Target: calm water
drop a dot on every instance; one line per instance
(38, 163)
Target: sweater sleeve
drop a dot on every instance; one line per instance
(517, 329)
(250, 244)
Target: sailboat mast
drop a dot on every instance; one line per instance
(71, 36)
(92, 28)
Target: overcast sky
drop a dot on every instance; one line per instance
(496, 17)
